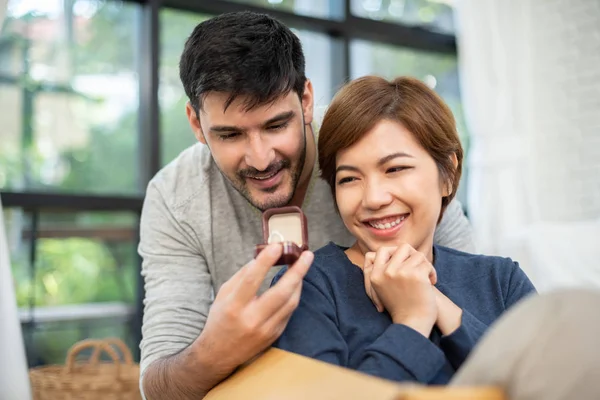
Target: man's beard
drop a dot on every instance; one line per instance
(239, 181)
(276, 167)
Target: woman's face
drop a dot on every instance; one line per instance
(388, 190)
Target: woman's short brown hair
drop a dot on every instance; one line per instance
(364, 102)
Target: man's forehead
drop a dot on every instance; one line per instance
(215, 104)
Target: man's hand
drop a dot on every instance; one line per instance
(239, 326)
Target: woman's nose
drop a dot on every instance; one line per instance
(376, 195)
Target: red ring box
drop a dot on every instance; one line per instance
(288, 226)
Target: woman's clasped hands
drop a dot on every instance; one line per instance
(402, 281)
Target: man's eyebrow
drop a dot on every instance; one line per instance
(281, 117)
(381, 162)
(225, 129)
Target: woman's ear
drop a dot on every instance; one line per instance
(194, 121)
(448, 188)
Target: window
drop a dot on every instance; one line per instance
(68, 77)
(76, 276)
(176, 134)
(439, 71)
(310, 8)
(78, 135)
(69, 100)
(435, 15)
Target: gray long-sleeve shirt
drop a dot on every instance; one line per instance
(197, 231)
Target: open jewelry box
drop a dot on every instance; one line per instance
(288, 226)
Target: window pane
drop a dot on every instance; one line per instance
(81, 283)
(49, 342)
(176, 134)
(79, 258)
(436, 15)
(331, 9)
(10, 160)
(68, 72)
(439, 71)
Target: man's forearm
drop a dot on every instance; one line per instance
(185, 375)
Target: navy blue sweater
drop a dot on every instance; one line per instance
(336, 322)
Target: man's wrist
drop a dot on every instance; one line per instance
(189, 374)
(210, 365)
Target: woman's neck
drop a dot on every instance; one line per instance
(356, 255)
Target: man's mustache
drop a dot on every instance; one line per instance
(270, 170)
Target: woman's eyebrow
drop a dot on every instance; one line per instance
(382, 161)
(392, 156)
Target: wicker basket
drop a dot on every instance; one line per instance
(91, 380)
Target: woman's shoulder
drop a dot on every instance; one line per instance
(470, 261)
(329, 261)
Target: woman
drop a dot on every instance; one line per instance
(395, 305)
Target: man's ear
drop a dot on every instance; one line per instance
(308, 102)
(194, 121)
(448, 185)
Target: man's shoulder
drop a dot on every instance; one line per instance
(185, 177)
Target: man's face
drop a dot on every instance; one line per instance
(261, 151)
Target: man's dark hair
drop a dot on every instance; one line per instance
(242, 54)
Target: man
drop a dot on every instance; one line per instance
(251, 108)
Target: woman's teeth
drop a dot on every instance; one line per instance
(387, 225)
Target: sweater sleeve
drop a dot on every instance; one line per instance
(399, 353)
(519, 286)
(459, 343)
(178, 288)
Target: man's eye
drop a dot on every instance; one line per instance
(277, 127)
(229, 136)
(346, 180)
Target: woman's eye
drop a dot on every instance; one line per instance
(345, 180)
(396, 169)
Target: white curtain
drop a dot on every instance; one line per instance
(495, 70)
(531, 85)
(14, 379)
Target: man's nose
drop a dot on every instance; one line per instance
(259, 154)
